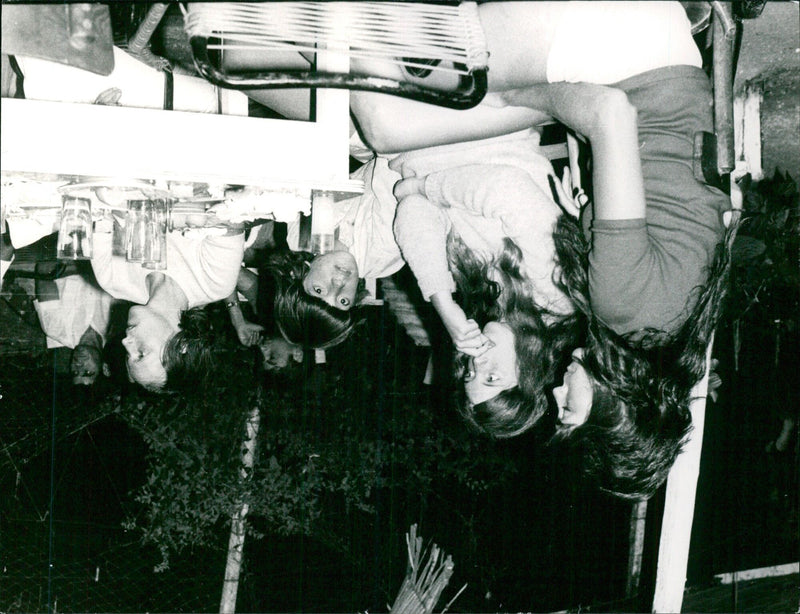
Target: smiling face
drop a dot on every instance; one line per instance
(146, 336)
(496, 369)
(574, 396)
(333, 277)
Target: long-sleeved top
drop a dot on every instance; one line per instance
(482, 204)
(644, 273)
(204, 264)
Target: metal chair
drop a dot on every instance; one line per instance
(402, 48)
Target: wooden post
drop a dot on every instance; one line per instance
(233, 565)
(635, 547)
(747, 133)
(676, 527)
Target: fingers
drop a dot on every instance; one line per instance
(470, 340)
(482, 346)
(409, 186)
(564, 199)
(571, 199)
(578, 195)
(566, 181)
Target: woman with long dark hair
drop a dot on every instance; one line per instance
(647, 265)
(478, 235)
(312, 298)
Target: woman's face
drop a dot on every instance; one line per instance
(333, 277)
(574, 396)
(496, 369)
(146, 336)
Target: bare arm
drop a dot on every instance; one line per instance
(248, 332)
(606, 117)
(421, 230)
(390, 124)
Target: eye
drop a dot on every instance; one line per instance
(492, 377)
(317, 290)
(345, 302)
(469, 375)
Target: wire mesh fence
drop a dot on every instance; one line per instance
(71, 468)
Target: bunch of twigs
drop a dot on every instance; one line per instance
(425, 580)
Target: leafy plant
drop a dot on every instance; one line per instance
(766, 269)
(327, 444)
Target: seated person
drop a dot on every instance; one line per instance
(316, 293)
(258, 328)
(422, 228)
(648, 267)
(484, 227)
(78, 318)
(627, 76)
(169, 341)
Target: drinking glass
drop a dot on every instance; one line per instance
(157, 221)
(136, 231)
(75, 229)
(322, 223)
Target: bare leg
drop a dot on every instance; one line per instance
(518, 36)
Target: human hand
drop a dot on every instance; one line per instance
(571, 204)
(248, 332)
(409, 186)
(465, 333)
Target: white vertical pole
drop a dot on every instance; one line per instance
(676, 527)
(747, 134)
(333, 105)
(636, 547)
(233, 565)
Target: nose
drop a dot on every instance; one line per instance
(560, 394)
(126, 343)
(338, 279)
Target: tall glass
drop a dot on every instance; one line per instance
(135, 230)
(75, 229)
(322, 223)
(157, 220)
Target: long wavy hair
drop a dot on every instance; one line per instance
(495, 290)
(300, 318)
(642, 381)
